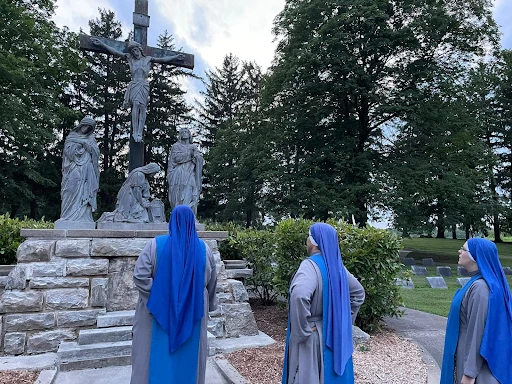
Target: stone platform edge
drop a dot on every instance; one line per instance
(109, 233)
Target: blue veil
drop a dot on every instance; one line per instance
(339, 319)
(176, 299)
(496, 347)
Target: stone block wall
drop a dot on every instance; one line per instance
(65, 278)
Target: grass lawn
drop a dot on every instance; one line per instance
(444, 252)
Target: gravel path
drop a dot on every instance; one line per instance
(18, 377)
(387, 359)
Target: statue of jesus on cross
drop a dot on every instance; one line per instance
(140, 56)
(137, 93)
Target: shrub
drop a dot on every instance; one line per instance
(10, 237)
(290, 238)
(257, 248)
(227, 248)
(370, 254)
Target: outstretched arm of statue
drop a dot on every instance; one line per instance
(107, 48)
(168, 59)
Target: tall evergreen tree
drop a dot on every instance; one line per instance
(342, 72)
(33, 74)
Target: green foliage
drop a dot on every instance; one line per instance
(227, 248)
(372, 255)
(10, 237)
(257, 248)
(290, 237)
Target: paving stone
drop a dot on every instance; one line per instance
(73, 351)
(14, 343)
(87, 267)
(436, 282)
(58, 282)
(73, 298)
(29, 322)
(34, 250)
(444, 271)
(48, 341)
(16, 301)
(71, 319)
(73, 248)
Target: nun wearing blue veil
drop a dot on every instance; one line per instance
(176, 278)
(323, 302)
(478, 341)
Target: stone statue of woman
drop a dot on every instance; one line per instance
(184, 172)
(137, 93)
(133, 199)
(80, 177)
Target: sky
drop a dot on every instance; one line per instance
(210, 29)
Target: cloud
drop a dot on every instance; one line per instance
(216, 28)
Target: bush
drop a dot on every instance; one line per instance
(10, 237)
(370, 254)
(257, 248)
(227, 248)
(290, 237)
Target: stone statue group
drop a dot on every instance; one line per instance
(81, 174)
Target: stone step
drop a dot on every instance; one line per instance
(115, 319)
(95, 363)
(104, 335)
(71, 351)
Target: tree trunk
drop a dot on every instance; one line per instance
(440, 232)
(497, 232)
(454, 232)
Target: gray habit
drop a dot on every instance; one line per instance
(473, 314)
(145, 270)
(305, 352)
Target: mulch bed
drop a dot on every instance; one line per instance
(18, 377)
(386, 359)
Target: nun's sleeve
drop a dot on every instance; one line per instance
(357, 295)
(144, 270)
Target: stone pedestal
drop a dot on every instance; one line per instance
(66, 278)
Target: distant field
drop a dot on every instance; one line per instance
(444, 252)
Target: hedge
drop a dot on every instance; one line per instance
(10, 237)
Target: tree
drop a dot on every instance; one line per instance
(230, 121)
(435, 168)
(34, 72)
(343, 71)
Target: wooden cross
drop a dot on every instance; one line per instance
(140, 32)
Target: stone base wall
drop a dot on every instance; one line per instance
(65, 278)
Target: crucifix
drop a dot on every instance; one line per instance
(140, 56)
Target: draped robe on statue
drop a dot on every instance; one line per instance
(80, 176)
(152, 361)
